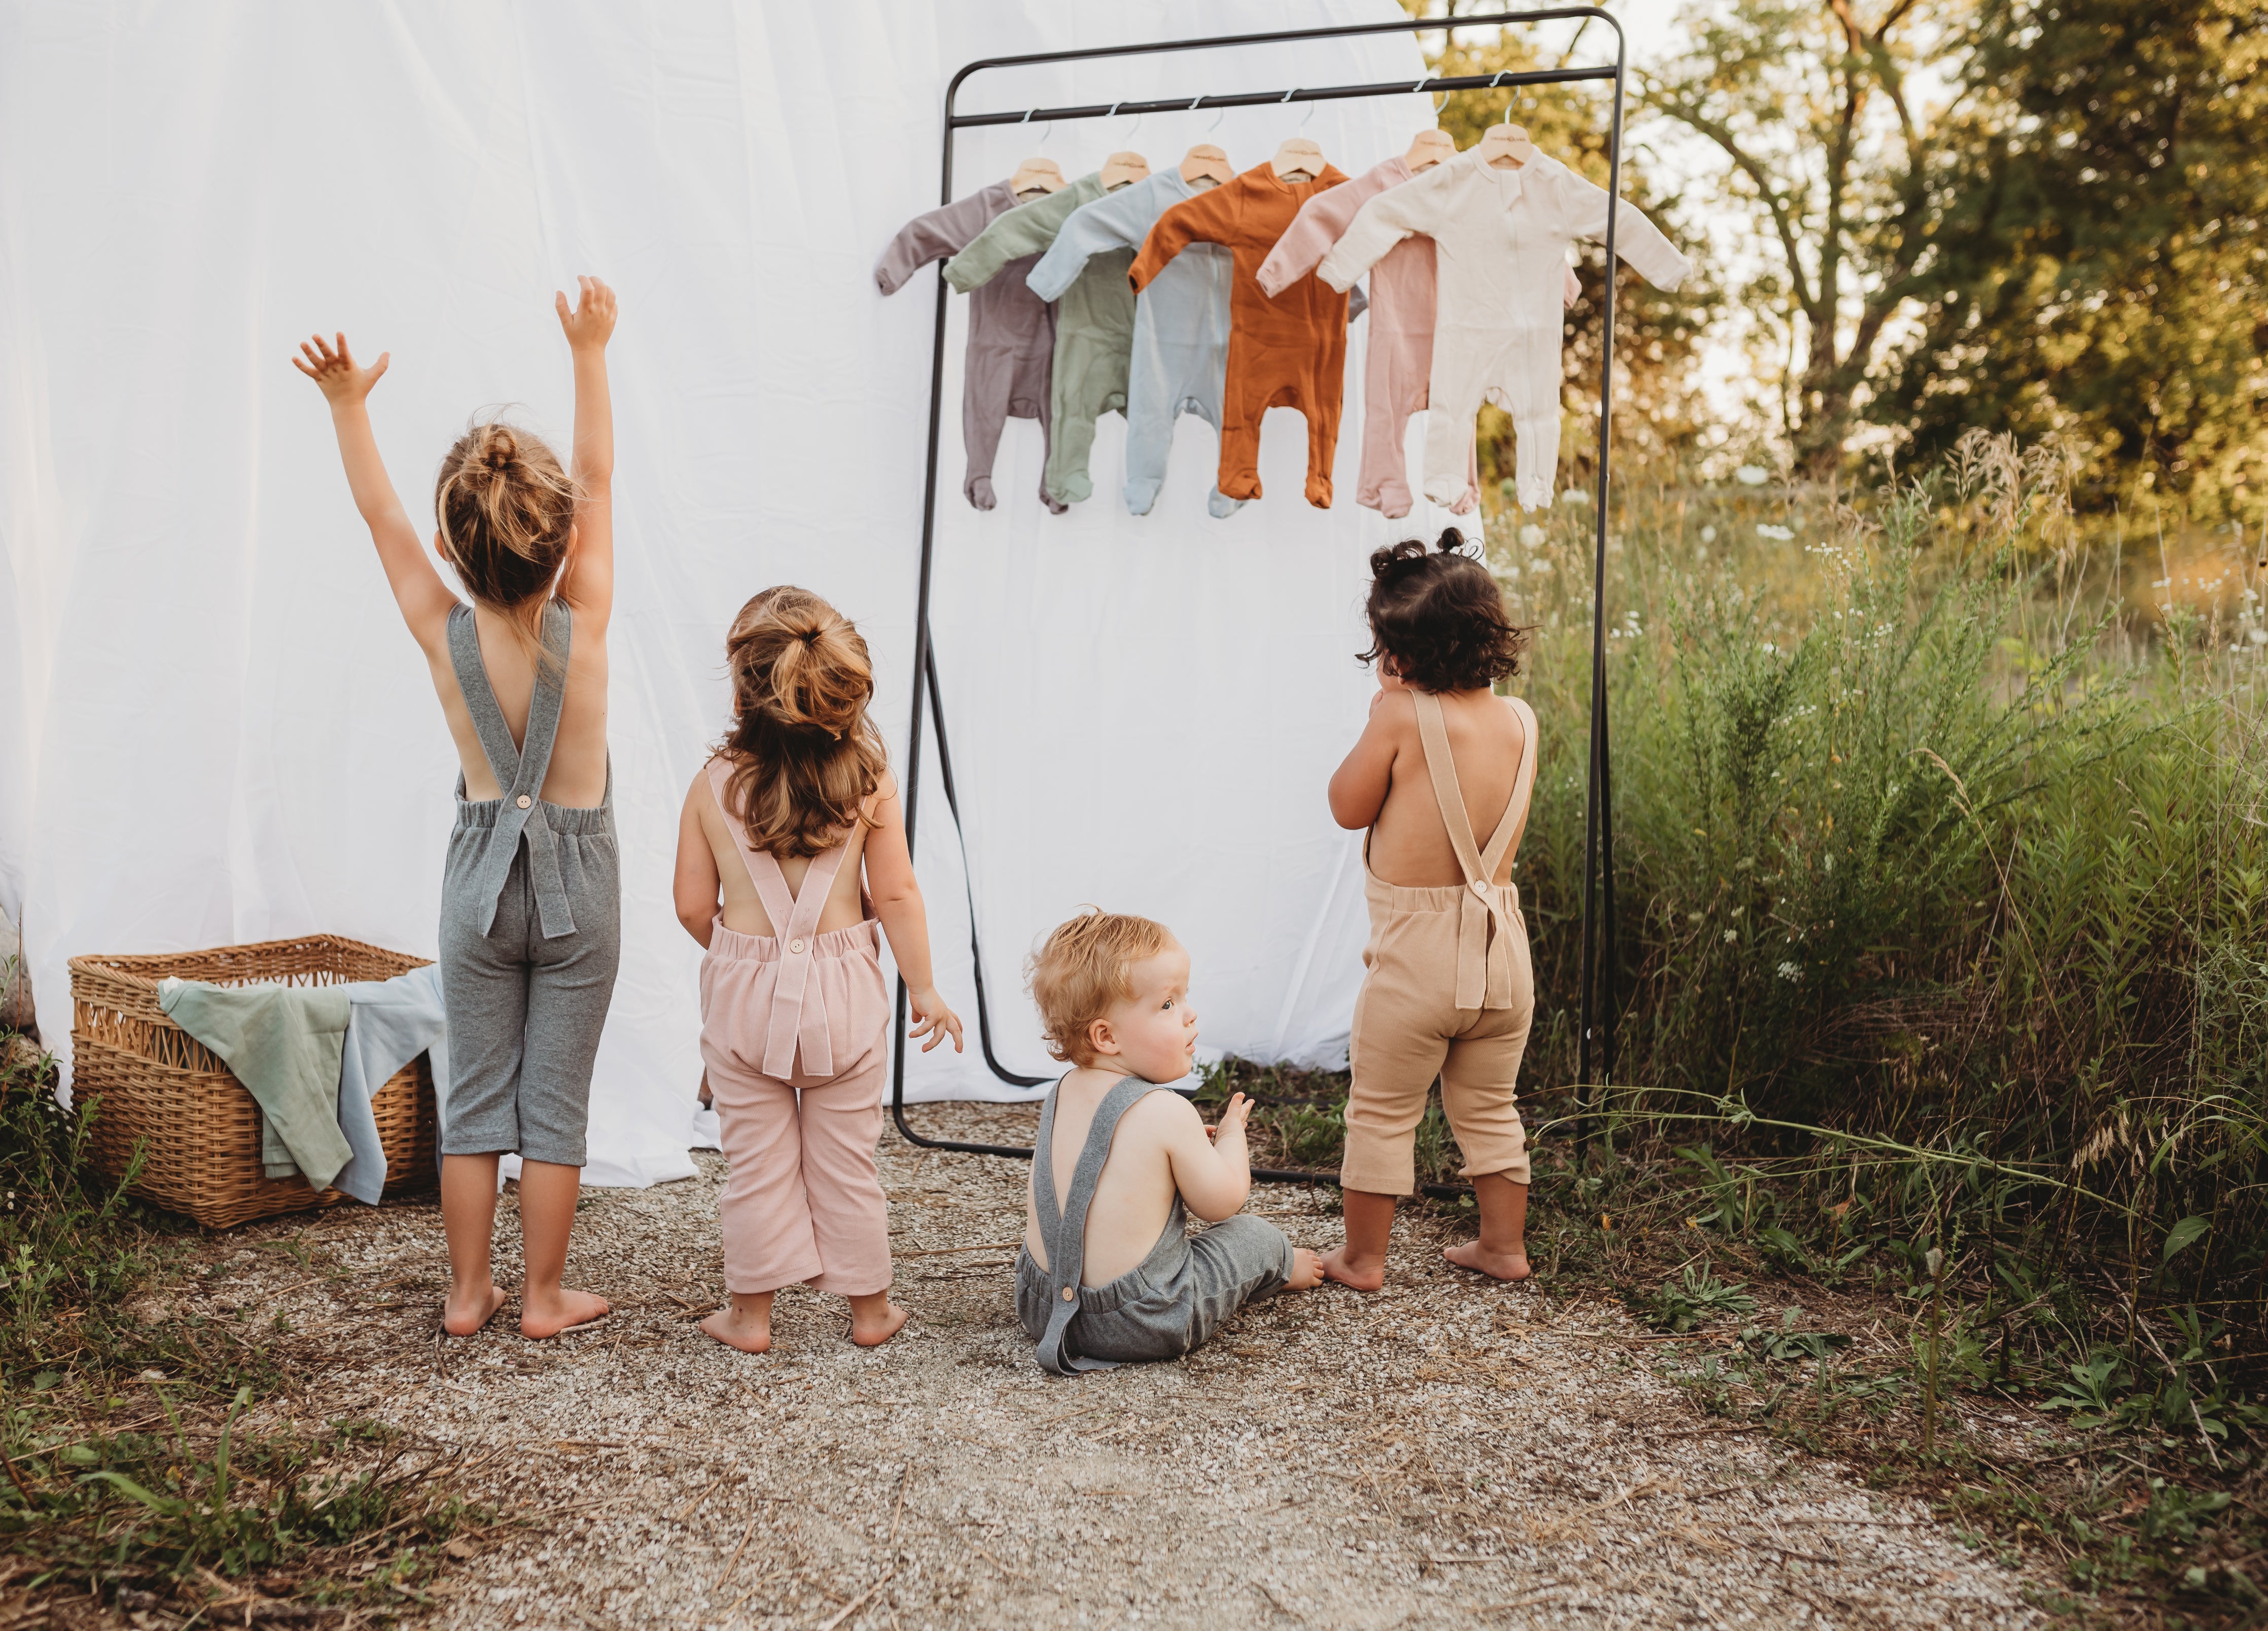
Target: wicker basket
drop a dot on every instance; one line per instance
(159, 1084)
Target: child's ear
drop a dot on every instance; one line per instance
(1100, 1038)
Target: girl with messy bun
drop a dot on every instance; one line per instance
(531, 894)
(1439, 782)
(792, 863)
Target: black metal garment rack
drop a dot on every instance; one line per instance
(1597, 1004)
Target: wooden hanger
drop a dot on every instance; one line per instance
(1036, 177)
(1206, 165)
(1124, 170)
(1299, 160)
(1505, 147)
(1427, 149)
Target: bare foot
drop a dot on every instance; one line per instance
(1495, 1265)
(746, 1329)
(1307, 1271)
(1361, 1273)
(874, 1320)
(463, 1315)
(542, 1318)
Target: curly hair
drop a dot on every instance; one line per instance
(1082, 970)
(1439, 616)
(805, 757)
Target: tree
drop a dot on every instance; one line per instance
(2101, 271)
(1809, 101)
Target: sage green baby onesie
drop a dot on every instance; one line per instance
(1094, 325)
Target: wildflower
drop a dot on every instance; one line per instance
(1530, 535)
(1749, 475)
(1790, 971)
(1708, 534)
(1575, 495)
(2259, 637)
(1766, 529)
(1731, 935)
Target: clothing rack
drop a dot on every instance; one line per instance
(1597, 1001)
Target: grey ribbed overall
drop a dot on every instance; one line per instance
(1178, 1296)
(531, 927)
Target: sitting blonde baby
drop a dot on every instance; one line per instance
(1108, 1273)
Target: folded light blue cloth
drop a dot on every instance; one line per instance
(311, 1055)
(394, 1020)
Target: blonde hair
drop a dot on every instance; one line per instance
(1084, 968)
(805, 755)
(506, 510)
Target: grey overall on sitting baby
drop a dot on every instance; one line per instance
(1108, 1273)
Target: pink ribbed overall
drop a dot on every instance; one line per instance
(792, 1030)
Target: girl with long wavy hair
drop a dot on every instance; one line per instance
(791, 860)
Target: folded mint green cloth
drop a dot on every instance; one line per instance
(284, 1043)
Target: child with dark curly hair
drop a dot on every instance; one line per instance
(1448, 992)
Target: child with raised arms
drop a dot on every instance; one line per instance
(1448, 991)
(1108, 1272)
(791, 854)
(531, 893)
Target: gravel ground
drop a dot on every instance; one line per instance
(1448, 1450)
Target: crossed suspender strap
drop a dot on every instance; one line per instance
(1484, 968)
(1064, 1231)
(798, 1015)
(518, 771)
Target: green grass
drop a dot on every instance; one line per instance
(134, 1466)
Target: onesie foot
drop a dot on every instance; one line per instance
(979, 492)
(1319, 491)
(1220, 506)
(1141, 495)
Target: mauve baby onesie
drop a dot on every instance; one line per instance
(1095, 325)
(1402, 301)
(1287, 352)
(1180, 345)
(1012, 332)
(1500, 239)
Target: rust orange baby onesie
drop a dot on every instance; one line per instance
(1287, 352)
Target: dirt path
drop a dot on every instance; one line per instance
(1449, 1451)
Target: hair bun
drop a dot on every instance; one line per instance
(1395, 559)
(1452, 539)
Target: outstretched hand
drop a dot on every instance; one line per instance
(588, 326)
(334, 372)
(1231, 1116)
(932, 1020)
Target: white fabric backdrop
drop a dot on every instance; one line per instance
(213, 727)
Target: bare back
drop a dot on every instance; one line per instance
(1134, 1196)
(742, 909)
(1487, 736)
(578, 777)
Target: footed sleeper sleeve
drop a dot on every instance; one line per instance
(1095, 322)
(1010, 332)
(1287, 352)
(1501, 239)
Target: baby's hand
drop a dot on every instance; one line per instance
(589, 326)
(1233, 1117)
(334, 372)
(933, 1019)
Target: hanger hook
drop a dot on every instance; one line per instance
(1217, 118)
(1508, 100)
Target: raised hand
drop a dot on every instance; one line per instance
(333, 371)
(1233, 1116)
(589, 325)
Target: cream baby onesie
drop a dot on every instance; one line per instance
(1402, 305)
(1095, 325)
(1012, 332)
(1181, 324)
(1500, 243)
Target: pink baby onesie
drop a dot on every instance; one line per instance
(792, 1026)
(1402, 302)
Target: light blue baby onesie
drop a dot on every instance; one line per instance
(1180, 325)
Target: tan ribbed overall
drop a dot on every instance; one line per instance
(1449, 993)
